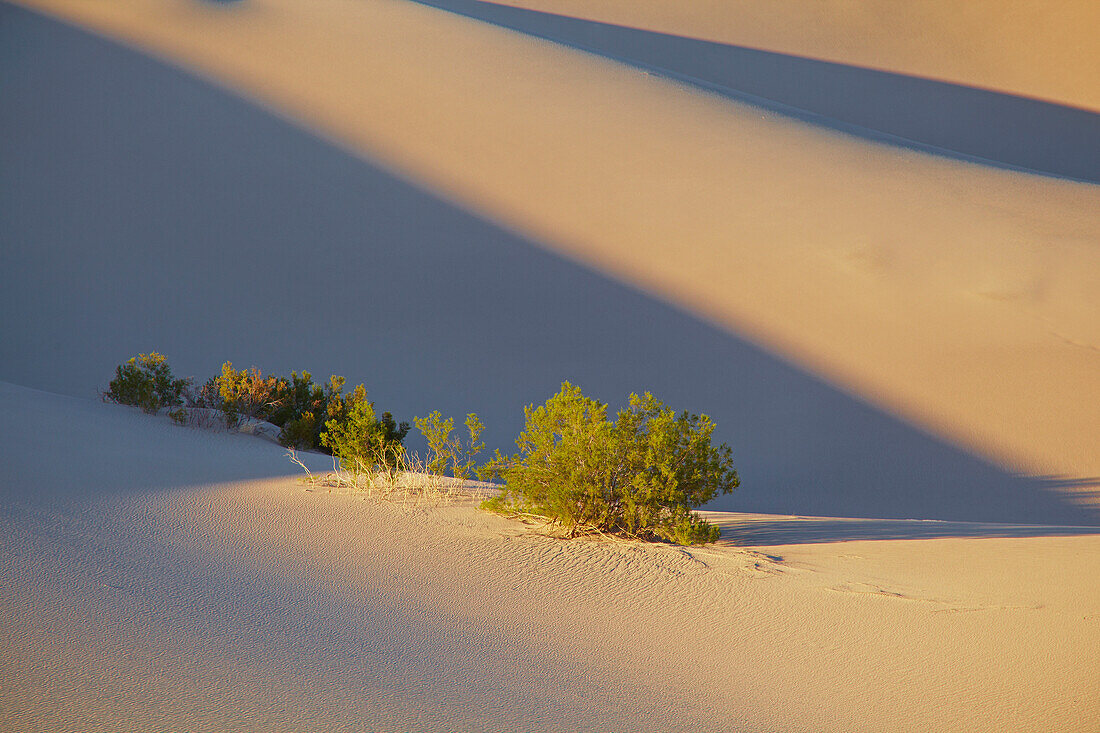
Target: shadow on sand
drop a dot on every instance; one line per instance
(952, 119)
(58, 448)
(142, 208)
(755, 531)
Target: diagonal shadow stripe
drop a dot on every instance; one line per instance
(948, 119)
(142, 208)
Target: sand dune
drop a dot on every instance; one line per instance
(952, 119)
(158, 577)
(462, 215)
(208, 246)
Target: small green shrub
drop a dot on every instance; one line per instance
(445, 451)
(146, 381)
(244, 394)
(437, 431)
(205, 396)
(361, 441)
(640, 475)
(298, 407)
(302, 432)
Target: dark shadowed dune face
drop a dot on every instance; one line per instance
(142, 208)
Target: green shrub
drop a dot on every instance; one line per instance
(362, 442)
(640, 475)
(302, 432)
(300, 407)
(146, 381)
(445, 451)
(205, 396)
(244, 394)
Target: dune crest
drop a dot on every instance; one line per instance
(1036, 49)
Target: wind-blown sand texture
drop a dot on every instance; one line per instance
(164, 578)
(461, 214)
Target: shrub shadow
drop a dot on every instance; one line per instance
(144, 209)
(951, 119)
(756, 531)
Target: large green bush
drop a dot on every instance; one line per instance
(146, 381)
(640, 475)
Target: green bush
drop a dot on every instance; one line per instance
(205, 396)
(295, 404)
(311, 416)
(362, 442)
(299, 405)
(146, 381)
(244, 394)
(302, 432)
(640, 475)
(445, 451)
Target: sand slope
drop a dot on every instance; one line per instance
(948, 118)
(1042, 50)
(216, 600)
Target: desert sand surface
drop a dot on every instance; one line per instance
(901, 343)
(952, 117)
(1027, 48)
(157, 577)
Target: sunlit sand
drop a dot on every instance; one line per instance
(148, 584)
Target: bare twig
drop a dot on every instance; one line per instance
(293, 456)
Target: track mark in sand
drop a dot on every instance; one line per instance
(1075, 342)
(968, 609)
(734, 561)
(1011, 290)
(869, 259)
(948, 606)
(868, 589)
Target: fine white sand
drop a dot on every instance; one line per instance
(156, 577)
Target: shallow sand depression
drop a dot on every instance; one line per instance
(900, 345)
